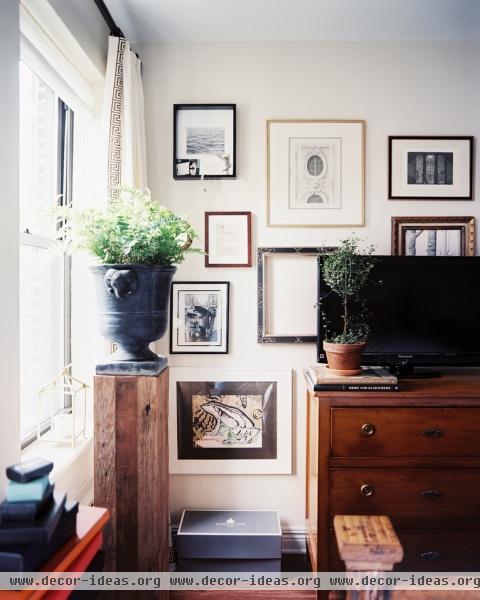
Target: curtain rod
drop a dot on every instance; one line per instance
(109, 20)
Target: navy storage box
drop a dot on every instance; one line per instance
(229, 540)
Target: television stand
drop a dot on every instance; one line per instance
(413, 455)
(411, 372)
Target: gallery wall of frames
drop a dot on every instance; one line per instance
(315, 177)
(274, 152)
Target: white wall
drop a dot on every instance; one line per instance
(429, 88)
(9, 363)
(87, 25)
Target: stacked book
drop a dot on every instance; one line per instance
(35, 520)
(371, 379)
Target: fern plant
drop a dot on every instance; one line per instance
(346, 271)
(133, 229)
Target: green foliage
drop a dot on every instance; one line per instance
(356, 332)
(346, 271)
(134, 229)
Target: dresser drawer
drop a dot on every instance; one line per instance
(417, 432)
(441, 493)
(439, 550)
(426, 550)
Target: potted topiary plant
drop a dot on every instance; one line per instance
(138, 242)
(345, 270)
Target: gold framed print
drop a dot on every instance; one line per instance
(433, 236)
(315, 173)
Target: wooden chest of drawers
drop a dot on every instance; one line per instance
(413, 455)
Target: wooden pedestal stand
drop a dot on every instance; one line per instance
(131, 470)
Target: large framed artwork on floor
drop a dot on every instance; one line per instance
(229, 421)
(315, 173)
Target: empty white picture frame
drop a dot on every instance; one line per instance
(287, 294)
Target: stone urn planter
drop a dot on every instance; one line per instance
(133, 302)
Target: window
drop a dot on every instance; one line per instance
(46, 152)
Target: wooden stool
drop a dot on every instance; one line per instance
(367, 544)
(370, 544)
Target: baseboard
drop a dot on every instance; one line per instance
(293, 540)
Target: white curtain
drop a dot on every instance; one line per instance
(124, 119)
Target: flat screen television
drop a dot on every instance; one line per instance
(424, 312)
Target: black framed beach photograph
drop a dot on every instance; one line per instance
(199, 317)
(433, 236)
(430, 168)
(228, 239)
(204, 141)
(230, 421)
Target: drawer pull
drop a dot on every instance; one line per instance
(433, 432)
(367, 490)
(431, 494)
(431, 555)
(368, 429)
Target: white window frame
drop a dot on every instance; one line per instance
(51, 50)
(63, 176)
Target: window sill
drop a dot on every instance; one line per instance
(73, 467)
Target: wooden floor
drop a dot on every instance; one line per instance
(307, 595)
(242, 595)
(297, 563)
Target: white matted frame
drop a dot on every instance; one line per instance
(199, 317)
(315, 173)
(430, 168)
(228, 239)
(280, 464)
(204, 141)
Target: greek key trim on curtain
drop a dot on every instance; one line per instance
(114, 165)
(124, 119)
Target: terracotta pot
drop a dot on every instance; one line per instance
(344, 359)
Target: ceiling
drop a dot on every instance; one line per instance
(151, 21)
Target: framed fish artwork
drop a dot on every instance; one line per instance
(230, 421)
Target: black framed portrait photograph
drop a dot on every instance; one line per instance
(430, 168)
(204, 141)
(199, 320)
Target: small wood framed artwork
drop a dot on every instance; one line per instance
(433, 236)
(230, 421)
(204, 144)
(199, 317)
(315, 173)
(228, 239)
(287, 318)
(430, 168)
